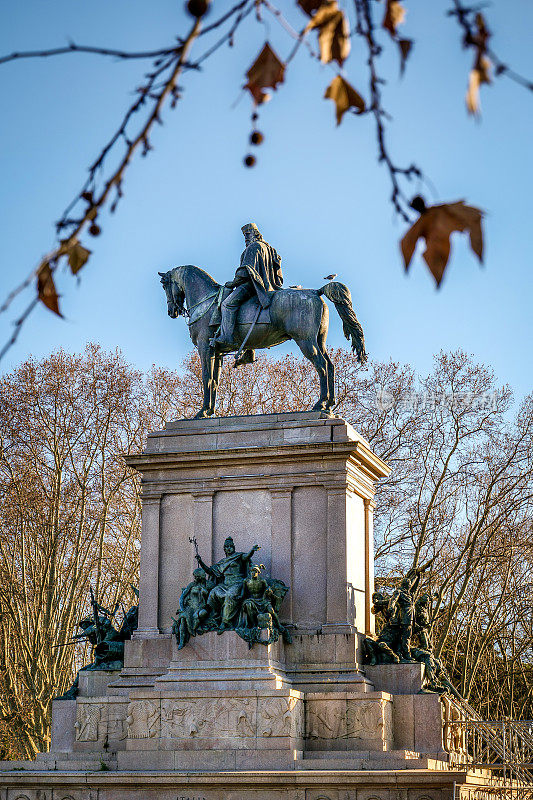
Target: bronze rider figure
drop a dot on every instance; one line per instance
(259, 273)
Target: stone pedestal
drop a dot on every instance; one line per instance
(216, 719)
(94, 683)
(225, 662)
(300, 485)
(397, 678)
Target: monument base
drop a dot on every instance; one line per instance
(326, 784)
(224, 706)
(218, 720)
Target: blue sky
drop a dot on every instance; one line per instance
(317, 192)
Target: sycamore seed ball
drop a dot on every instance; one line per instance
(197, 8)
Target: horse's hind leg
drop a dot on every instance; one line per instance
(331, 381)
(311, 351)
(331, 370)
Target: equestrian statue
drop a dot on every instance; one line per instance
(253, 311)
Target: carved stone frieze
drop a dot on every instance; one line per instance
(96, 720)
(219, 717)
(324, 721)
(237, 717)
(116, 721)
(279, 716)
(89, 718)
(222, 717)
(144, 719)
(185, 719)
(364, 718)
(337, 717)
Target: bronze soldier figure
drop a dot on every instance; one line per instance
(192, 611)
(258, 610)
(422, 621)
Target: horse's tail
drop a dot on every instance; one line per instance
(339, 294)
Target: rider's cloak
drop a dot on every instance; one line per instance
(263, 265)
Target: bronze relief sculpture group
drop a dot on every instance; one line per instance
(234, 594)
(406, 621)
(231, 595)
(106, 639)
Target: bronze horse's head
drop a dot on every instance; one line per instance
(175, 295)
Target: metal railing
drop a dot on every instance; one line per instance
(503, 749)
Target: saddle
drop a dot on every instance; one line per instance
(246, 315)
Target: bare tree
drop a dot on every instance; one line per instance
(69, 517)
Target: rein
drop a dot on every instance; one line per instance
(195, 318)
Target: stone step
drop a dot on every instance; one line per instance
(86, 765)
(91, 762)
(361, 754)
(19, 766)
(355, 762)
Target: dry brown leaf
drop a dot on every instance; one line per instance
(435, 226)
(480, 74)
(46, 290)
(394, 16)
(78, 256)
(483, 33)
(309, 6)
(333, 32)
(405, 46)
(344, 96)
(472, 93)
(267, 70)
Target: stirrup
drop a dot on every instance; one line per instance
(244, 357)
(216, 345)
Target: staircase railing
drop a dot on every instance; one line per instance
(504, 747)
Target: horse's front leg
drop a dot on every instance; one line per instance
(206, 360)
(217, 365)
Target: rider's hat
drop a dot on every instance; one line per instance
(250, 227)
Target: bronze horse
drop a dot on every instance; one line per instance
(297, 314)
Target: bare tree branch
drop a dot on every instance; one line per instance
(366, 28)
(160, 84)
(465, 16)
(82, 48)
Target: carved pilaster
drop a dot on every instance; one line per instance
(203, 526)
(369, 564)
(149, 569)
(282, 543)
(336, 591)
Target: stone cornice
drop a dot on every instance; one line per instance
(344, 453)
